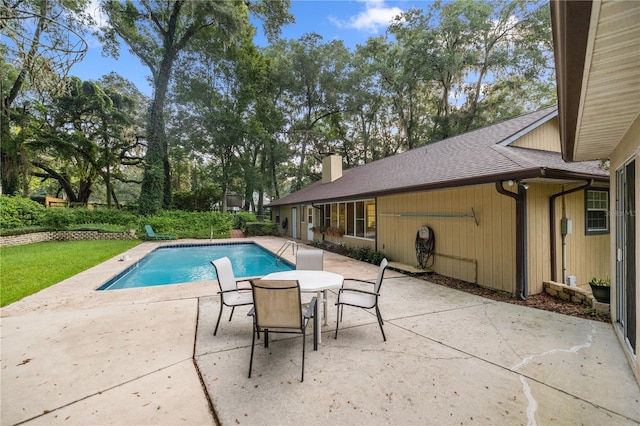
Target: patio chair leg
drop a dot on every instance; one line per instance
(316, 323)
(219, 316)
(337, 321)
(233, 308)
(253, 344)
(304, 339)
(380, 322)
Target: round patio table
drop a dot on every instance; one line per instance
(312, 282)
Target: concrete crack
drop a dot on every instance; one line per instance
(532, 403)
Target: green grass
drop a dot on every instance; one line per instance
(27, 269)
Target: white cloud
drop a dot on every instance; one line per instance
(375, 17)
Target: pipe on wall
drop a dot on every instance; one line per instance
(552, 225)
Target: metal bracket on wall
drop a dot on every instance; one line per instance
(471, 216)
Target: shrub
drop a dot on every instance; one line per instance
(18, 212)
(240, 220)
(200, 199)
(189, 224)
(110, 216)
(58, 218)
(254, 229)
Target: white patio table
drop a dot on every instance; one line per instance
(312, 282)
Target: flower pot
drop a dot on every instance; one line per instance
(601, 293)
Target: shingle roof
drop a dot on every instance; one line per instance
(471, 158)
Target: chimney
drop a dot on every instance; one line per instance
(331, 168)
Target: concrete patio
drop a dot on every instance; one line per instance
(72, 355)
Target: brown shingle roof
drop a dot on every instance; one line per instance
(471, 158)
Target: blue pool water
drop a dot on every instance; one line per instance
(190, 263)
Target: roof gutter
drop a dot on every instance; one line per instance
(552, 225)
(520, 198)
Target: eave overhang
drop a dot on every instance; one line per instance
(597, 57)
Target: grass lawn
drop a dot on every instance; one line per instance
(29, 268)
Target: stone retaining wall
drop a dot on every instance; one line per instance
(38, 237)
(573, 294)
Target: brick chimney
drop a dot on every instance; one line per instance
(331, 168)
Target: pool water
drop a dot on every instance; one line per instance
(191, 263)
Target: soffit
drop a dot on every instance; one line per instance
(610, 99)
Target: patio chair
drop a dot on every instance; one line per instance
(312, 260)
(309, 260)
(151, 235)
(230, 294)
(362, 298)
(277, 308)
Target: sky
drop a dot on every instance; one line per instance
(352, 21)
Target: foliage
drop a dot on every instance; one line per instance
(254, 229)
(45, 39)
(200, 199)
(600, 282)
(241, 218)
(59, 218)
(366, 254)
(189, 224)
(17, 212)
(27, 269)
(181, 223)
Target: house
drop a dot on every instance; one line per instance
(505, 210)
(597, 55)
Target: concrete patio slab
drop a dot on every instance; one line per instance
(72, 355)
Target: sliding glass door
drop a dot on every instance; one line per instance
(626, 251)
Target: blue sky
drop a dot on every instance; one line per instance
(352, 21)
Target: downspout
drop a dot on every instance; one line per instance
(552, 225)
(521, 236)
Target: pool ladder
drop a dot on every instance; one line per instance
(284, 247)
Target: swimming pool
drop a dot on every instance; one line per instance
(177, 264)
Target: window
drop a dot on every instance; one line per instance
(327, 215)
(360, 219)
(596, 211)
(350, 219)
(354, 218)
(370, 207)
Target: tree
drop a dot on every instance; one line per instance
(157, 33)
(44, 40)
(85, 139)
(465, 64)
(315, 74)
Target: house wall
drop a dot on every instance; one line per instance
(281, 213)
(586, 254)
(545, 137)
(490, 244)
(626, 150)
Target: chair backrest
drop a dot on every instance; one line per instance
(383, 267)
(224, 271)
(277, 304)
(149, 230)
(309, 260)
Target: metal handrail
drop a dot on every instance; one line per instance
(283, 248)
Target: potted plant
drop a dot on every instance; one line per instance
(601, 289)
(334, 231)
